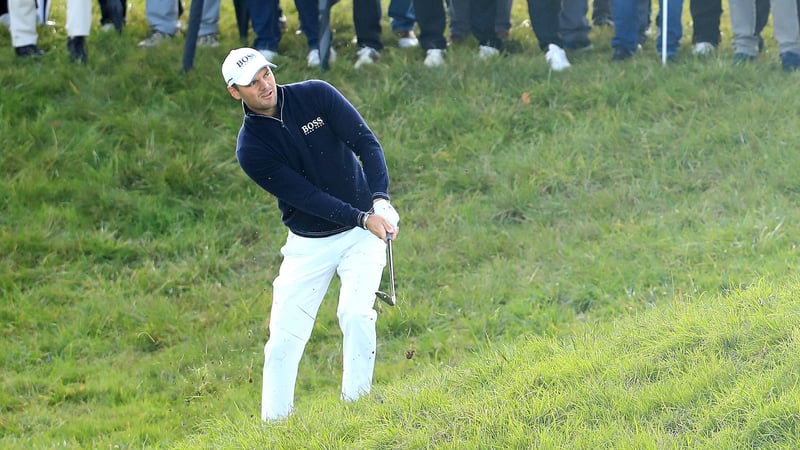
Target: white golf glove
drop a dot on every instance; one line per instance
(384, 209)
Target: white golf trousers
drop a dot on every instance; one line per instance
(358, 257)
(22, 16)
(79, 17)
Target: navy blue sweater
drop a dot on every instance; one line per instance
(317, 157)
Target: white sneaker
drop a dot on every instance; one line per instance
(269, 54)
(314, 59)
(366, 55)
(434, 57)
(703, 48)
(407, 40)
(486, 52)
(106, 27)
(557, 58)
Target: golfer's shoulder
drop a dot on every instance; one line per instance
(312, 86)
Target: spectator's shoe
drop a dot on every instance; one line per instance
(106, 27)
(282, 23)
(742, 58)
(155, 38)
(703, 48)
(790, 61)
(434, 57)
(77, 49)
(557, 58)
(208, 40)
(314, 60)
(28, 51)
(603, 21)
(407, 39)
(269, 54)
(487, 52)
(621, 54)
(366, 56)
(5, 20)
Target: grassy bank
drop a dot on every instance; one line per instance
(536, 207)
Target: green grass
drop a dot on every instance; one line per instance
(718, 372)
(600, 257)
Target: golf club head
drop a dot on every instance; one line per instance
(390, 300)
(386, 298)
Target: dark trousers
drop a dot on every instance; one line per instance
(544, 21)
(601, 9)
(308, 13)
(706, 19)
(367, 22)
(762, 14)
(105, 12)
(432, 19)
(265, 17)
(481, 21)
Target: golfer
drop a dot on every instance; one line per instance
(305, 144)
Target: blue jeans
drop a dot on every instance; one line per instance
(544, 21)
(265, 15)
(163, 16)
(674, 27)
(401, 13)
(627, 24)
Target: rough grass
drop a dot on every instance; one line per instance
(137, 259)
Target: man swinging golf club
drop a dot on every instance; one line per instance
(306, 144)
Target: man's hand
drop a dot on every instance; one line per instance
(385, 220)
(385, 209)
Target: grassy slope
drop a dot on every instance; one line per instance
(718, 372)
(138, 259)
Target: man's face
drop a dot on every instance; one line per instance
(260, 95)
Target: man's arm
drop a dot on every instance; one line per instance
(348, 124)
(283, 182)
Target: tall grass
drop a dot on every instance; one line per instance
(717, 372)
(138, 259)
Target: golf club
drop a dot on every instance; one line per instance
(390, 300)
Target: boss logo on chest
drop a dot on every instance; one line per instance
(313, 125)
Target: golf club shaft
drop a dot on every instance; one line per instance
(391, 267)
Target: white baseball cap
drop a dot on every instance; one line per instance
(242, 65)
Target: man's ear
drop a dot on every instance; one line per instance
(234, 92)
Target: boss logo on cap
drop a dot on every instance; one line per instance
(244, 59)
